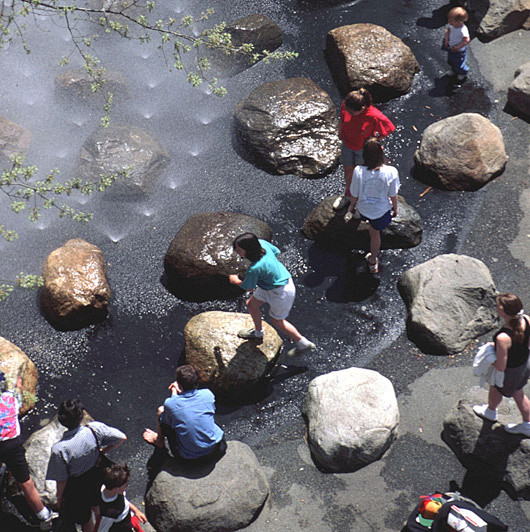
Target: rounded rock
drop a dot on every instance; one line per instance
(519, 90)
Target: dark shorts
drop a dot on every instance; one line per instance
(80, 494)
(350, 157)
(13, 454)
(515, 379)
(379, 223)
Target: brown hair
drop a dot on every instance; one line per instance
(373, 154)
(115, 476)
(512, 305)
(457, 13)
(187, 377)
(358, 100)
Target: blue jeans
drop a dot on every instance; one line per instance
(457, 61)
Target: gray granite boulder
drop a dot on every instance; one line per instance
(366, 55)
(229, 365)
(450, 301)
(485, 448)
(327, 226)
(117, 148)
(200, 256)
(76, 292)
(15, 363)
(352, 418)
(220, 498)
(519, 90)
(289, 127)
(78, 83)
(499, 17)
(14, 140)
(462, 152)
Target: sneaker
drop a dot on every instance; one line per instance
(295, 351)
(340, 203)
(348, 216)
(249, 334)
(372, 266)
(484, 412)
(47, 524)
(461, 77)
(518, 428)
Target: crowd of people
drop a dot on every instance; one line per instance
(91, 490)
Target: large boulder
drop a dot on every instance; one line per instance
(203, 498)
(14, 140)
(366, 55)
(352, 417)
(200, 256)
(290, 127)
(519, 90)
(499, 17)
(15, 363)
(78, 83)
(75, 292)
(462, 152)
(229, 365)
(450, 301)
(485, 448)
(123, 148)
(327, 226)
(258, 30)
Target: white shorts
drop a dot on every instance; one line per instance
(280, 299)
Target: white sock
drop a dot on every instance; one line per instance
(304, 342)
(44, 514)
(490, 411)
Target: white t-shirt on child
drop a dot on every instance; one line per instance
(456, 36)
(373, 188)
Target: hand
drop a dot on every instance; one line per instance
(234, 279)
(394, 213)
(141, 516)
(174, 388)
(454, 49)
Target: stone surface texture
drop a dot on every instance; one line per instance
(116, 148)
(218, 498)
(289, 127)
(499, 17)
(15, 363)
(78, 83)
(227, 364)
(519, 90)
(75, 292)
(327, 226)
(485, 448)
(366, 55)
(450, 301)
(352, 418)
(462, 152)
(14, 139)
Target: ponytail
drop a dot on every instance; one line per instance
(513, 307)
(358, 100)
(518, 332)
(367, 96)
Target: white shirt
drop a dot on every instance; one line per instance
(456, 36)
(373, 188)
(482, 366)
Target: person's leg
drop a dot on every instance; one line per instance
(523, 404)
(287, 328)
(375, 244)
(254, 309)
(348, 175)
(152, 437)
(31, 495)
(494, 398)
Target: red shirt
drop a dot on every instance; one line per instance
(356, 129)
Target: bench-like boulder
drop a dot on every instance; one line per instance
(462, 152)
(519, 90)
(289, 127)
(208, 498)
(229, 365)
(450, 301)
(367, 55)
(352, 418)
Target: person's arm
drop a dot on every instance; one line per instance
(175, 388)
(110, 438)
(140, 515)
(394, 201)
(354, 188)
(234, 279)
(61, 485)
(502, 344)
(446, 37)
(464, 42)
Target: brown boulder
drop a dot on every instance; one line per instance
(499, 17)
(462, 152)
(14, 139)
(76, 292)
(78, 83)
(519, 90)
(15, 363)
(366, 55)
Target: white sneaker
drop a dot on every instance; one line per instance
(47, 524)
(295, 351)
(518, 428)
(248, 334)
(484, 412)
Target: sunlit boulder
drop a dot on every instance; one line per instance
(75, 292)
(519, 90)
(14, 140)
(15, 363)
(200, 256)
(289, 127)
(450, 301)
(352, 418)
(225, 496)
(227, 364)
(499, 17)
(328, 227)
(367, 55)
(462, 152)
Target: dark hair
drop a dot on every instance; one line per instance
(512, 305)
(373, 154)
(358, 100)
(187, 377)
(250, 243)
(115, 475)
(71, 413)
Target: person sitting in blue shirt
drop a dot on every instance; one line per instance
(187, 421)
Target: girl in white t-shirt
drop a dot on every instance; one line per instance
(374, 189)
